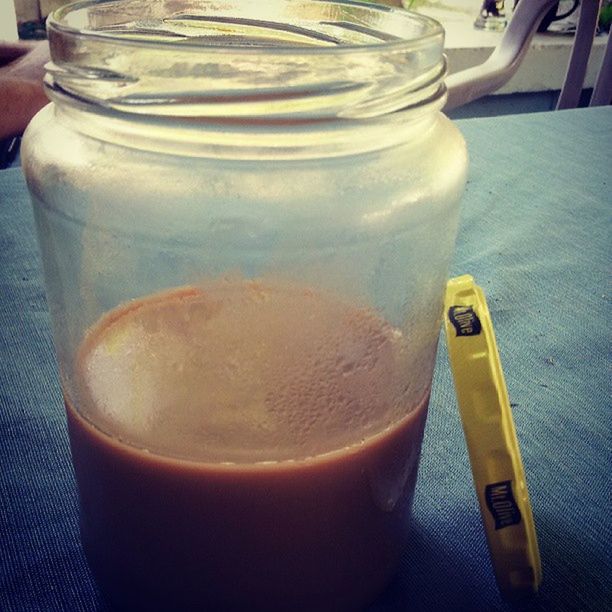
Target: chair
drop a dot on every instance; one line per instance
(473, 83)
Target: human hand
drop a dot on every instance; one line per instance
(21, 84)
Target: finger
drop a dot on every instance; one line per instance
(19, 102)
(31, 65)
(10, 51)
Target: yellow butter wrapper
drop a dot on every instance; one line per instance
(493, 449)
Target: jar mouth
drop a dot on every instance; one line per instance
(278, 59)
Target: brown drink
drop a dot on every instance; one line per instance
(253, 448)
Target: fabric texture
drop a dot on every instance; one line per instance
(536, 235)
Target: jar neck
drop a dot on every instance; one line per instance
(231, 139)
(289, 74)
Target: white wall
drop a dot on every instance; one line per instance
(8, 21)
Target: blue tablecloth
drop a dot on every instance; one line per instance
(536, 234)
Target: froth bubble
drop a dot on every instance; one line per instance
(237, 367)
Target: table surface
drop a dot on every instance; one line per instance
(536, 234)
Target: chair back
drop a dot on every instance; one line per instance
(498, 69)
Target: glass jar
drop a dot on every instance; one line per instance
(246, 214)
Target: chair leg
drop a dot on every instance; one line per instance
(576, 69)
(602, 92)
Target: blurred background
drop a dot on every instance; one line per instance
(29, 16)
(26, 18)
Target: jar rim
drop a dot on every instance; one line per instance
(279, 58)
(62, 18)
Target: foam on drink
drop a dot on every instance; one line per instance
(243, 371)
